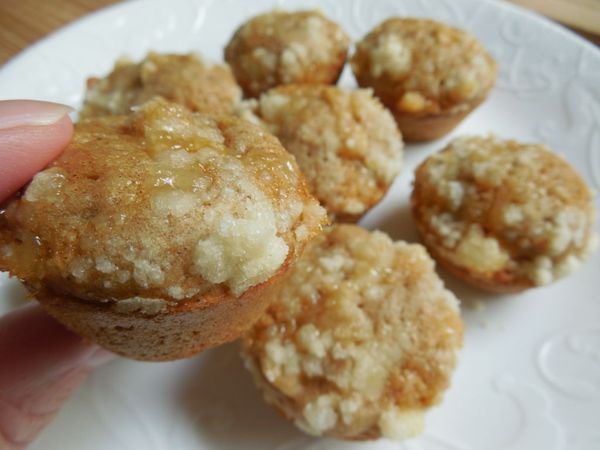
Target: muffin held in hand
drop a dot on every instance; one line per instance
(428, 74)
(346, 143)
(161, 233)
(502, 215)
(183, 79)
(283, 47)
(361, 340)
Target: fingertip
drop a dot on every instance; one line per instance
(25, 150)
(34, 345)
(42, 363)
(35, 349)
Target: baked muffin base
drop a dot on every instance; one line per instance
(181, 331)
(431, 127)
(500, 282)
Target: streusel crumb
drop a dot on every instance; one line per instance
(503, 214)
(423, 69)
(165, 204)
(346, 143)
(183, 79)
(362, 339)
(283, 47)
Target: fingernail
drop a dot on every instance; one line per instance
(21, 113)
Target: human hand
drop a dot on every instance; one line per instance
(41, 362)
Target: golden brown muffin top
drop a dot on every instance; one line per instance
(161, 204)
(281, 47)
(500, 206)
(183, 79)
(346, 144)
(420, 66)
(363, 336)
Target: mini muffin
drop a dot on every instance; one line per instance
(503, 215)
(184, 79)
(283, 47)
(346, 143)
(361, 340)
(428, 74)
(160, 233)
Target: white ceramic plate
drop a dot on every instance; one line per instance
(529, 376)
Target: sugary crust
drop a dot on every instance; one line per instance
(159, 208)
(183, 79)
(361, 340)
(346, 144)
(428, 74)
(502, 215)
(282, 47)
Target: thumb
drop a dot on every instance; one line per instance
(32, 134)
(42, 363)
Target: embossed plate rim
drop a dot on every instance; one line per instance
(522, 373)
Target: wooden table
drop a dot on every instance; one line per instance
(22, 22)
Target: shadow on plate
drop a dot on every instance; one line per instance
(471, 298)
(398, 224)
(228, 410)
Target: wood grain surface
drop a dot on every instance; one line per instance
(23, 22)
(581, 14)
